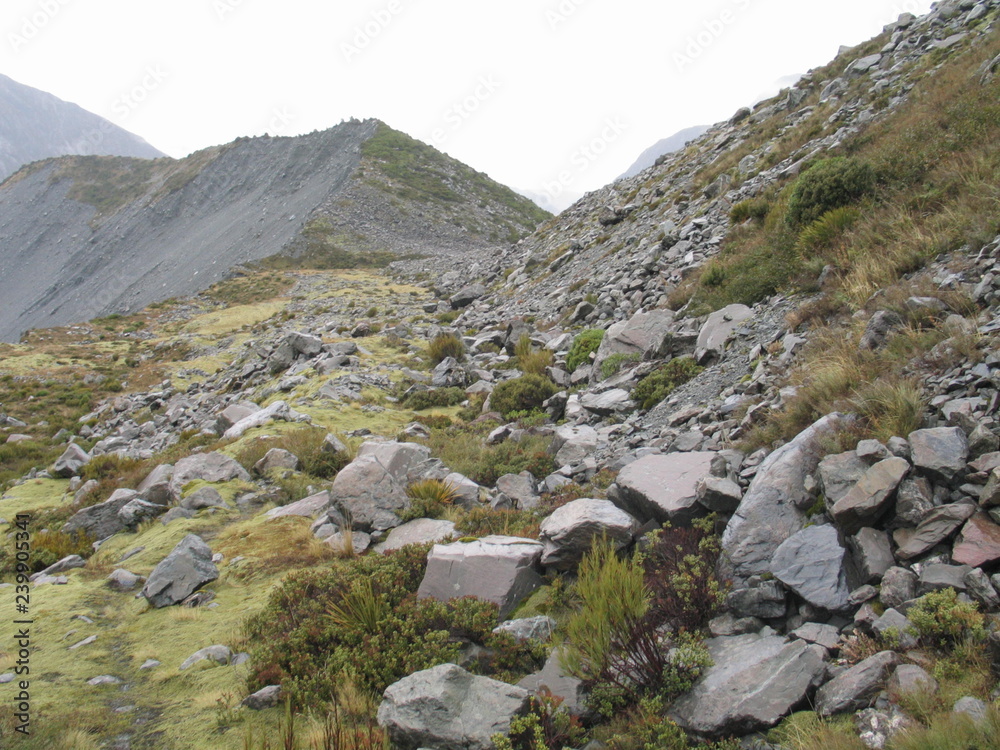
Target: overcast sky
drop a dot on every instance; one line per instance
(556, 96)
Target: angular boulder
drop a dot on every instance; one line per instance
(101, 521)
(187, 568)
(277, 410)
(466, 296)
(418, 531)
(447, 708)
(941, 452)
(773, 507)
(207, 467)
(663, 488)
(855, 688)
(568, 534)
(573, 443)
(308, 507)
(647, 334)
(71, 461)
(937, 526)
(869, 499)
(811, 563)
(553, 680)
(498, 569)
(978, 543)
(156, 487)
(755, 681)
(718, 329)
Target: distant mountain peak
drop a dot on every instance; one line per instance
(668, 145)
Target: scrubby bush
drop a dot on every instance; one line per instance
(445, 345)
(434, 398)
(713, 274)
(942, 620)
(429, 498)
(613, 364)
(751, 208)
(822, 233)
(659, 384)
(531, 361)
(585, 343)
(523, 394)
(829, 184)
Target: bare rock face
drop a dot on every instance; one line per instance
(498, 569)
(663, 488)
(855, 688)
(773, 507)
(940, 451)
(208, 467)
(447, 708)
(646, 334)
(570, 531)
(811, 563)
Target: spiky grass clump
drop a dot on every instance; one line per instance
(429, 498)
(445, 345)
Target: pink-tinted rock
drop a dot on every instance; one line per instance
(978, 543)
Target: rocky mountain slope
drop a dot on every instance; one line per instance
(663, 147)
(709, 460)
(117, 234)
(35, 125)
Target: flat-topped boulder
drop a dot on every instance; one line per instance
(498, 569)
(811, 563)
(207, 467)
(663, 488)
(569, 532)
(941, 452)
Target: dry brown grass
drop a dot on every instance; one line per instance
(271, 546)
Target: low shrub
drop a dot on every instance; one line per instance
(660, 383)
(585, 343)
(942, 620)
(613, 364)
(529, 360)
(434, 398)
(827, 229)
(751, 208)
(445, 345)
(829, 184)
(524, 394)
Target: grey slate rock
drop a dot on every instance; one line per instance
(570, 531)
(914, 500)
(553, 678)
(447, 708)
(941, 452)
(855, 688)
(521, 489)
(123, 580)
(266, 697)
(755, 681)
(417, 531)
(203, 497)
(937, 576)
(156, 487)
(899, 585)
(765, 600)
(101, 521)
(70, 462)
(811, 563)
(868, 500)
(719, 494)
(827, 636)
(908, 679)
(208, 467)
(772, 508)
(187, 568)
(871, 555)
(663, 488)
(466, 296)
(498, 569)
(838, 473)
(210, 656)
(937, 526)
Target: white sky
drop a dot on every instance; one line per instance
(528, 91)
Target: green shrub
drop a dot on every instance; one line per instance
(434, 398)
(829, 184)
(546, 726)
(613, 364)
(942, 620)
(445, 345)
(523, 394)
(659, 384)
(584, 345)
(751, 208)
(613, 596)
(713, 274)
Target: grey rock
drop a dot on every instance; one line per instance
(771, 508)
(304, 343)
(466, 296)
(235, 412)
(70, 562)
(728, 624)
(719, 494)
(978, 543)
(765, 600)
(187, 568)
(978, 584)
(210, 656)
(521, 489)
(880, 325)
(573, 443)
(663, 488)
(570, 531)
(207, 467)
(606, 403)
(755, 681)
(467, 492)
(349, 542)
(871, 554)
(156, 487)
(937, 576)
(937, 526)
(104, 679)
(276, 458)
(203, 497)
(418, 531)
(856, 688)
(313, 506)
(811, 563)
(498, 569)
(137, 510)
(123, 580)
(895, 623)
(279, 410)
(538, 628)
(647, 334)
(827, 636)
(838, 473)
(914, 500)
(70, 462)
(447, 708)
(908, 679)
(718, 329)
(869, 499)
(554, 679)
(266, 697)
(974, 708)
(899, 585)
(175, 513)
(941, 452)
(101, 521)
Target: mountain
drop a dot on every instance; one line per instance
(662, 147)
(35, 125)
(550, 203)
(85, 236)
(713, 455)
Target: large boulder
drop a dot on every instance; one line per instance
(937, 526)
(371, 490)
(574, 443)
(773, 507)
(447, 708)
(978, 543)
(498, 569)
(646, 334)
(308, 507)
(418, 531)
(123, 510)
(663, 488)
(278, 410)
(941, 452)
(156, 487)
(755, 680)
(207, 467)
(811, 563)
(569, 533)
(856, 688)
(187, 568)
(718, 329)
(869, 499)
(466, 296)
(71, 461)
